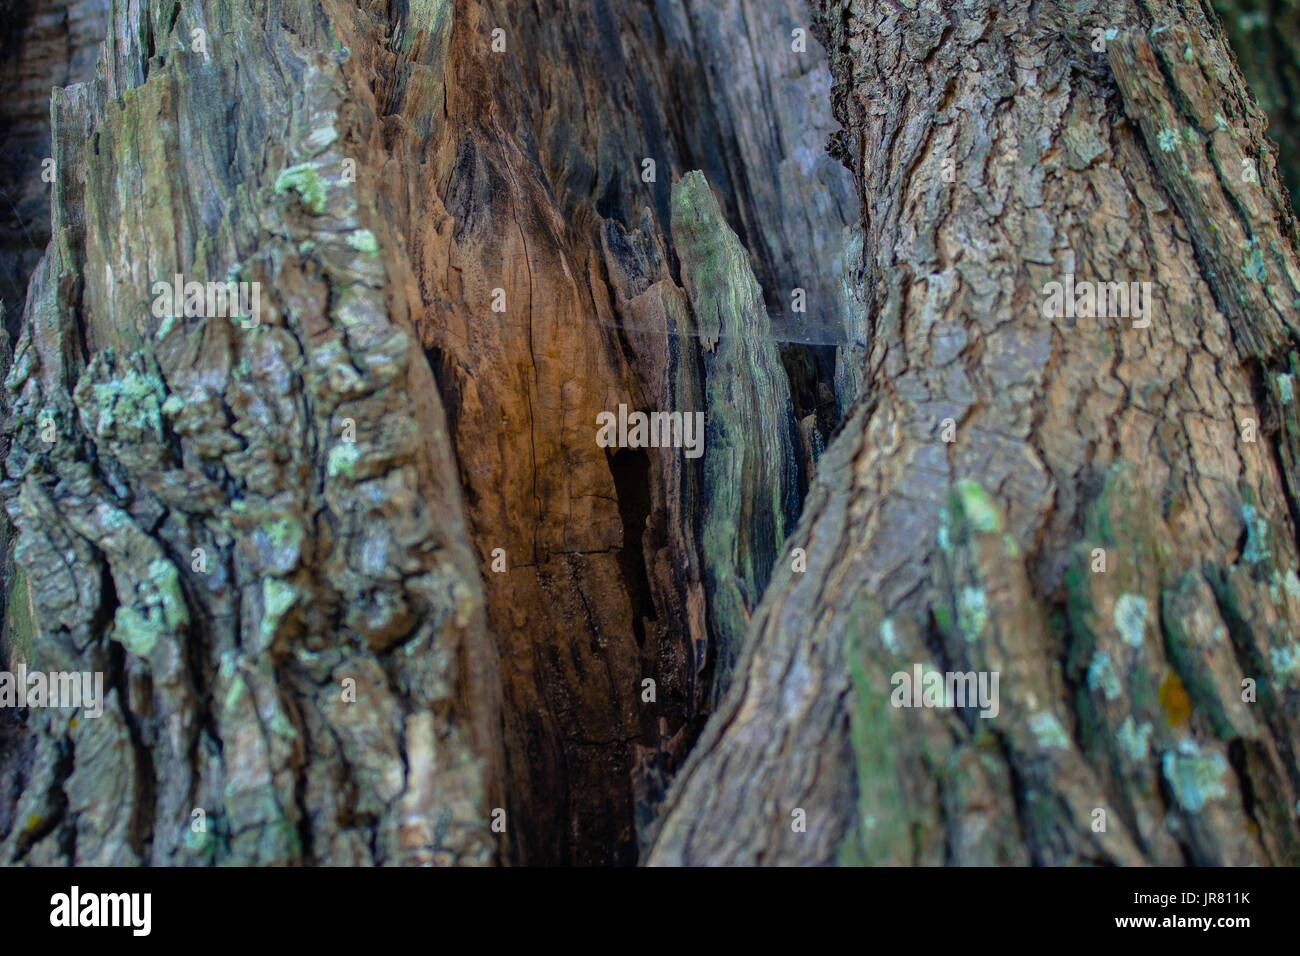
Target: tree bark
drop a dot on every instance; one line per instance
(1121, 691)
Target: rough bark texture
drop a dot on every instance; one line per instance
(202, 529)
(1120, 690)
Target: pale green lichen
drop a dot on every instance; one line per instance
(342, 459)
(131, 398)
(1193, 778)
(1285, 659)
(1134, 738)
(969, 500)
(200, 841)
(22, 624)
(1048, 732)
(306, 182)
(353, 305)
(277, 598)
(887, 635)
(1256, 549)
(883, 812)
(281, 725)
(237, 689)
(134, 631)
(159, 610)
(1167, 139)
(1254, 261)
(1276, 583)
(1130, 618)
(1102, 676)
(283, 532)
(363, 240)
(227, 666)
(972, 612)
(1286, 387)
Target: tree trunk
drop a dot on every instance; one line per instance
(365, 588)
(1121, 694)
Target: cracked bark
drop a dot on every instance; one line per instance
(1120, 691)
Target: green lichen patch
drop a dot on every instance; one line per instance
(1253, 261)
(22, 625)
(363, 240)
(887, 635)
(1257, 534)
(279, 543)
(158, 611)
(1195, 779)
(1285, 387)
(281, 725)
(304, 182)
(237, 689)
(277, 598)
(972, 612)
(129, 399)
(970, 503)
(343, 459)
(1049, 733)
(1102, 677)
(1285, 661)
(1134, 738)
(882, 832)
(1130, 618)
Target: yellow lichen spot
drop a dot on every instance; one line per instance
(1174, 700)
(33, 821)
